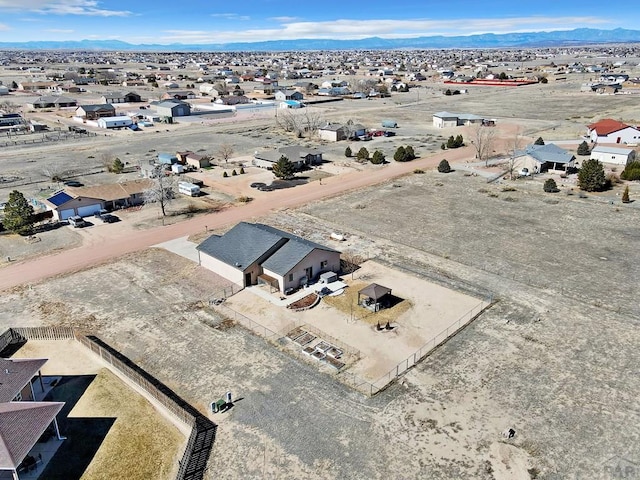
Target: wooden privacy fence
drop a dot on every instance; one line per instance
(203, 431)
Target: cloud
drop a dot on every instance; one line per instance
(4, 28)
(356, 29)
(231, 16)
(58, 30)
(284, 19)
(62, 7)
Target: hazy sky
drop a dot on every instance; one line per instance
(199, 21)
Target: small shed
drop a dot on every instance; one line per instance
(374, 296)
(328, 277)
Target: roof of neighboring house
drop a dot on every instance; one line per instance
(21, 425)
(241, 246)
(114, 191)
(180, 93)
(333, 127)
(170, 103)
(59, 198)
(612, 150)
(114, 95)
(54, 99)
(375, 291)
(607, 126)
(547, 153)
(97, 108)
(298, 152)
(15, 374)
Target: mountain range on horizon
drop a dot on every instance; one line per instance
(560, 38)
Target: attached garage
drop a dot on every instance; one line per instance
(64, 214)
(89, 210)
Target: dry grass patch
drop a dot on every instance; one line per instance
(141, 444)
(347, 303)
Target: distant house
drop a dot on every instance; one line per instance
(249, 254)
(300, 156)
(167, 159)
(114, 195)
(53, 101)
(172, 108)
(448, 119)
(171, 85)
(64, 205)
(114, 122)
(542, 158)
(36, 86)
(616, 156)
(10, 119)
(613, 131)
(120, 97)
(198, 161)
(283, 95)
(179, 95)
(333, 132)
(94, 112)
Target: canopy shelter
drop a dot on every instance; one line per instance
(374, 296)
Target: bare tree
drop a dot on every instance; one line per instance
(290, 122)
(483, 139)
(350, 262)
(225, 151)
(514, 148)
(162, 190)
(312, 122)
(9, 107)
(54, 171)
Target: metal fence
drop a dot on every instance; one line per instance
(248, 323)
(203, 432)
(225, 292)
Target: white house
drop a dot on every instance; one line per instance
(616, 156)
(448, 119)
(613, 131)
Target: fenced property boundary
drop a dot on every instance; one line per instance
(346, 377)
(203, 431)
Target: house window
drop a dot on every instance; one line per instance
(291, 277)
(323, 264)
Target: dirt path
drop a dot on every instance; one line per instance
(121, 243)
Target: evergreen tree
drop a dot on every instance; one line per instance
(539, 141)
(625, 195)
(444, 167)
(400, 154)
(18, 214)
(348, 152)
(363, 154)
(583, 149)
(284, 168)
(591, 176)
(409, 153)
(378, 158)
(550, 186)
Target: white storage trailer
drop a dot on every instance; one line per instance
(190, 189)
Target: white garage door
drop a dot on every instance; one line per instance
(89, 210)
(64, 214)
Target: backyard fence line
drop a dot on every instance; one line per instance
(436, 341)
(248, 323)
(225, 292)
(203, 431)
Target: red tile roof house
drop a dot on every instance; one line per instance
(22, 423)
(613, 131)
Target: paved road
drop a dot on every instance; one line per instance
(106, 249)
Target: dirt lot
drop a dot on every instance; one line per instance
(554, 359)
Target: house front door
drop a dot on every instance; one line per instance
(309, 273)
(247, 279)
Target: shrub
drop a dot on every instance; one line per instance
(363, 154)
(550, 186)
(625, 195)
(234, 173)
(244, 199)
(418, 171)
(399, 155)
(241, 170)
(409, 153)
(225, 174)
(631, 171)
(348, 152)
(378, 158)
(444, 167)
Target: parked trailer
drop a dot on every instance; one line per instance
(389, 124)
(187, 188)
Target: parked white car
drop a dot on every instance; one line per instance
(524, 172)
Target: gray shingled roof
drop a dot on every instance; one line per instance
(15, 374)
(241, 246)
(547, 153)
(247, 243)
(21, 425)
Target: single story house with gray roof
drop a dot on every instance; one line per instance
(300, 156)
(252, 253)
(52, 101)
(541, 158)
(448, 119)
